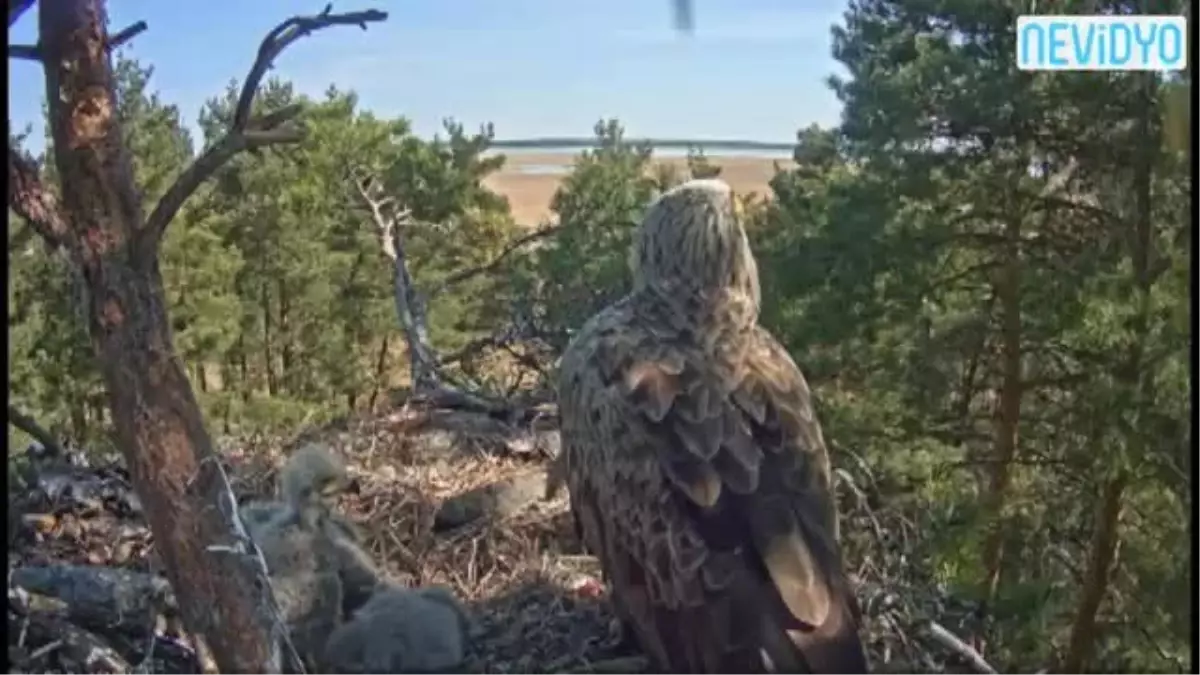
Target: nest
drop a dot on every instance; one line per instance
(537, 602)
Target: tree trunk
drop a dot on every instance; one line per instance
(291, 385)
(156, 418)
(268, 352)
(1106, 537)
(380, 373)
(1104, 546)
(1004, 443)
(410, 310)
(245, 386)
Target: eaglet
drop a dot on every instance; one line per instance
(402, 630)
(318, 572)
(696, 467)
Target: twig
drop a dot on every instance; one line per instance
(125, 35)
(30, 199)
(513, 246)
(30, 426)
(951, 642)
(474, 346)
(244, 134)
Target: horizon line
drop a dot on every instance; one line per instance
(581, 142)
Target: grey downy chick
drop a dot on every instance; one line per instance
(307, 483)
(302, 558)
(313, 476)
(402, 630)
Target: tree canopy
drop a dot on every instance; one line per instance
(983, 271)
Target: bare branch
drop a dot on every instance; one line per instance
(379, 205)
(953, 643)
(30, 199)
(34, 52)
(285, 34)
(16, 8)
(475, 346)
(513, 246)
(245, 134)
(25, 52)
(126, 35)
(30, 426)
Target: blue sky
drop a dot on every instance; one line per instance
(754, 69)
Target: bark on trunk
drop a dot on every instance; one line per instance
(1104, 546)
(380, 373)
(156, 418)
(286, 373)
(410, 311)
(268, 336)
(1004, 445)
(1106, 537)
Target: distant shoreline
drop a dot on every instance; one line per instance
(530, 176)
(661, 146)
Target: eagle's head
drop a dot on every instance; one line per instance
(691, 242)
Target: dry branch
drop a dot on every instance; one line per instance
(243, 133)
(491, 265)
(430, 384)
(953, 643)
(30, 199)
(126, 34)
(34, 52)
(30, 426)
(98, 596)
(16, 8)
(25, 52)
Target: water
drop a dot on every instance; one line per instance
(719, 150)
(543, 169)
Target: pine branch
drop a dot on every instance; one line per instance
(244, 133)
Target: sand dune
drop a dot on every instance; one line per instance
(529, 179)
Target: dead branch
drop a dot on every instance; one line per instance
(25, 52)
(30, 199)
(491, 265)
(80, 650)
(16, 8)
(98, 596)
(953, 643)
(30, 426)
(126, 34)
(473, 347)
(244, 134)
(34, 52)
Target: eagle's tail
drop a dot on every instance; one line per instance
(745, 628)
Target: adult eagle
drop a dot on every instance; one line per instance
(697, 471)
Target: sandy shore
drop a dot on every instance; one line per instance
(529, 179)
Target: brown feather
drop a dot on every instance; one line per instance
(697, 469)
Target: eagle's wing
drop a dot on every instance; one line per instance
(704, 486)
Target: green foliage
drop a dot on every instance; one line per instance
(885, 257)
(584, 267)
(280, 296)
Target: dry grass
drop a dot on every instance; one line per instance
(529, 194)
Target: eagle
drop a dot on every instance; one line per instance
(696, 467)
